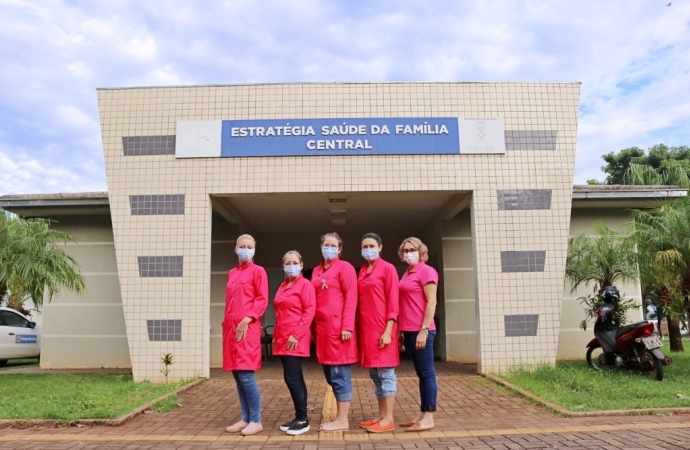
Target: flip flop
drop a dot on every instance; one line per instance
(418, 427)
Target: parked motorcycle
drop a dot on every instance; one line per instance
(633, 347)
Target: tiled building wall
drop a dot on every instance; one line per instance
(544, 114)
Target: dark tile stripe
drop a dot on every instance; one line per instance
(142, 205)
(148, 145)
(531, 140)
(521, 324)
(160, 266)
(524, 261)
(164, 330)
(524, 199)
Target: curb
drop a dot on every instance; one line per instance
(568, 413)
(25, 423)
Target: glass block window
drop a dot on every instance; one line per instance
(144, 205)
(531, 140)
(524, 199)
(529, 261)
(164, 330)
(160, 266)
(148, 145)
(521, 324)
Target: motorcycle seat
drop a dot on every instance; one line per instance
(624, 329)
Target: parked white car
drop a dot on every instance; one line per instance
(19, 336)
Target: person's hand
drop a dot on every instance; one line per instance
(420, 343)
(345, 335)
(292, 343)
(241, 331)
(385, 340)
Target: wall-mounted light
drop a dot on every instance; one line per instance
(337, 198)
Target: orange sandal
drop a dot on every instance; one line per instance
(377, 428)
(368, 423)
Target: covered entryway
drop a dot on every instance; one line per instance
(296, 221)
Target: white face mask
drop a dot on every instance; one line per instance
(245, 254)
(370, 254)
(292, 270)
(411, 258)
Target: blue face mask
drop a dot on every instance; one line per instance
(245, 254)
(370, 254)
(329, 252)
(292, 270)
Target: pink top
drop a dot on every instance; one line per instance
(378, 303)
(246, 295)
(294, 307)
(336, 304)
(412, 299)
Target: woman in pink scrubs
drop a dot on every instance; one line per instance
(378, 334)
(418, 287)
(335, 283)
(246, 299)
(295, 303)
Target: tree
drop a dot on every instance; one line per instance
(604, 260)
(31, 261)
(672, 175)
(661, 158)
(663, 241)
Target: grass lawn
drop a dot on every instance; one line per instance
(17, 363)
(69, 397)
(577, 387)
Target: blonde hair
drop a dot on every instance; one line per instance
(418, 245)
(333, 235)
(245, 236)
(292, 252)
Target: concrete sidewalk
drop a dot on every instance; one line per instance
(472, 413)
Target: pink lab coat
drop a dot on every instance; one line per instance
(336, 305)
(378, 303)
(246, 295)
(294, 307)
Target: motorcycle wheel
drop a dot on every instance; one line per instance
(593, 354)
(651, 366)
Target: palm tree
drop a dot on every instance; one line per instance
(638, 174)
(32, 261)
(663, 240)
(604, 260)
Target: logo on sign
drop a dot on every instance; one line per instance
(27, 339)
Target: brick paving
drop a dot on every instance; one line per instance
(472, 414)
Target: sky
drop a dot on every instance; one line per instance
(632, 58)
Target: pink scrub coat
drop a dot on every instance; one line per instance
(378, 303)
(246, 295)
(294, 307)
(336, 305)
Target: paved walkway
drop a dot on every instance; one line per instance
(472, 414)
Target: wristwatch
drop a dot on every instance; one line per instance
(424, 329)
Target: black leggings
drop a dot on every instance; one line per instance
(294, 378)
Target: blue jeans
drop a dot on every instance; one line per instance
(340, 379)
(423, 361)
(385, 382)
(294, 379)
(250, 397)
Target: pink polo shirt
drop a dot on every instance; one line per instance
(412, 299)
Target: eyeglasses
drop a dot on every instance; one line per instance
(410, 250)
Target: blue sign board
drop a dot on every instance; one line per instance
(359, 136)
(26, 339)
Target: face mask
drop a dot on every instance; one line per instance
(370, 254)
(245, 254)
(411, 258)
(292, 270)
(329, 252)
